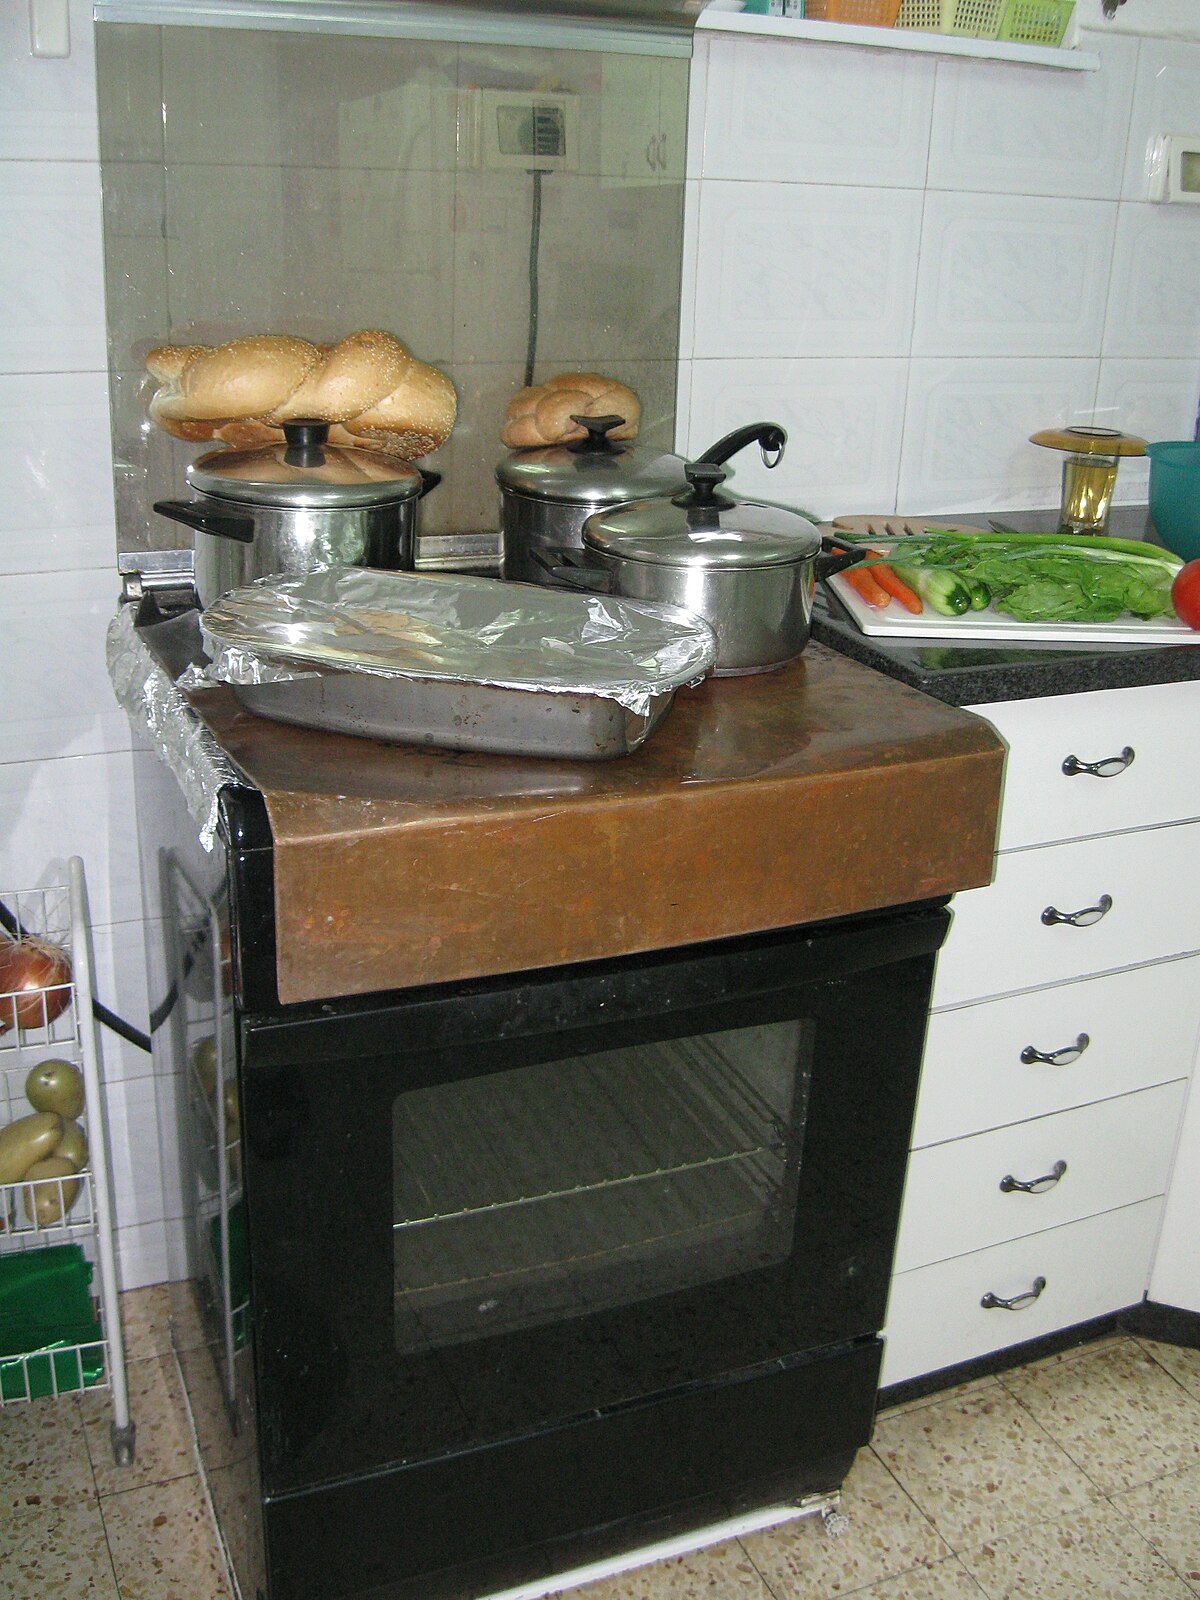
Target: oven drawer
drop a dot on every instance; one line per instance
(1134, 898)
(936, 1319)
(1159, 782)
(960, 1196)
(1104, 1036)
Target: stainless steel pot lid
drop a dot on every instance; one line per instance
(702, 528)
(305, 471)
(592, 472)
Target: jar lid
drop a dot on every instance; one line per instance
(592, 471)
(702, 528)
(1088, 441)
(304, 470)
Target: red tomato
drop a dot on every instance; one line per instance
(1185, 594)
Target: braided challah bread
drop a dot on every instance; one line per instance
(542, 414)
(368, 387)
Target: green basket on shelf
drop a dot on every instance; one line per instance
(50, 1339)
(974, 19)
(1036, 21)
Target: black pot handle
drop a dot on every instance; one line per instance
(429, 480)
(769, 437)
(221, 524)
(836, 558)
(565, 568)
(597, 430)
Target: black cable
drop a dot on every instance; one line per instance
(535, 239)
(102, 1014)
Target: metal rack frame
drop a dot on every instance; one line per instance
(59, 913)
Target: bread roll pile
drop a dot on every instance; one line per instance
(369, 388)
(542, 415)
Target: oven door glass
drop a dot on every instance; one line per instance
(546, 1193)
(483, 1210)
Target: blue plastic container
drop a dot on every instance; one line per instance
(1175, 495)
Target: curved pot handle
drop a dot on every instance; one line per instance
(572, 574)
(429, 480)
(222, 524)
(769, 437)
(836, 558)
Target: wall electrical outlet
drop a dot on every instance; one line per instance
(523, 130)
(1175, 168)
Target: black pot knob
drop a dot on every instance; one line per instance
(306, 442)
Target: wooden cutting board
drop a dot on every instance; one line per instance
(891, 525)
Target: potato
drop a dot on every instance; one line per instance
(27, 1140)
(55, 1085)
(73, 1145)
(48, 1201)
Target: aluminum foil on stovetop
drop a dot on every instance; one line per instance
(468, 663)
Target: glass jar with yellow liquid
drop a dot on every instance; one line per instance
(1089, 473)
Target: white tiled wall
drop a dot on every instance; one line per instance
(65, 767)
(914, 262)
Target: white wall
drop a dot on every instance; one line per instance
(65, 767)
(913, 262)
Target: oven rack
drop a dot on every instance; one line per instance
(610, 1177)
(58, 913)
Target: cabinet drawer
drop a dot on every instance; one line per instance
(1116, 1152)
(935, 1318)
(1001, 940)
(1138, 1028)
(1161, 783)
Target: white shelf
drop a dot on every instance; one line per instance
(725, 16)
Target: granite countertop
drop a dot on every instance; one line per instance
(965, 675)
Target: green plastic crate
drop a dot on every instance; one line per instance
(50, 1338)
(974, 19)
(1036, 21)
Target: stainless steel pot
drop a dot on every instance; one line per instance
(547, 495)
(747, 569)
(296, 507)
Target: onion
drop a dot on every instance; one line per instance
(40, 974)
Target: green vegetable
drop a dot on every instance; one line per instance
(981, 595)
(939, 587)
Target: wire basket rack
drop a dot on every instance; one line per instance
(56, 1232)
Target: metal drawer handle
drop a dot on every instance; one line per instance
(1106, 767)
(1011, 1185)
(1056, 1058)
(995, 1302)
(1079, 919)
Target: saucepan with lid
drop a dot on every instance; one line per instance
(548, 493)
(298, 506)
(746, 568)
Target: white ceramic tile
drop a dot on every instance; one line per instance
(967, 429)
(56, 468)
(805, 270)
(79, 805)
(1023, 130)
(137, 1192)
(150, 1252)
(53, 627)
(120, 982)
(1166, 100)
(1156, 399)
(1154, 303)
(1012, 275)
(843, 420)
(687, 277)
(683, 405)
(47, 104)
(818, 114)
(51, 270)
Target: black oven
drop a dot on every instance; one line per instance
(484, 1282)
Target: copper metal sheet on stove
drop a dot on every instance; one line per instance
(762, 802)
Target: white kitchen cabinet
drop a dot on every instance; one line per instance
(1175, 1279)
(1060, 1050)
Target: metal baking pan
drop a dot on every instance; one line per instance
(457, 662)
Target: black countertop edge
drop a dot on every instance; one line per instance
(962, 675)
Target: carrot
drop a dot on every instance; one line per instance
(894, 586)
(864, 582)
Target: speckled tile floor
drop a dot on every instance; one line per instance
(1075, 1475)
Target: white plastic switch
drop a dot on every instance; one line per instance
(49, 28)
(1175, 168)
